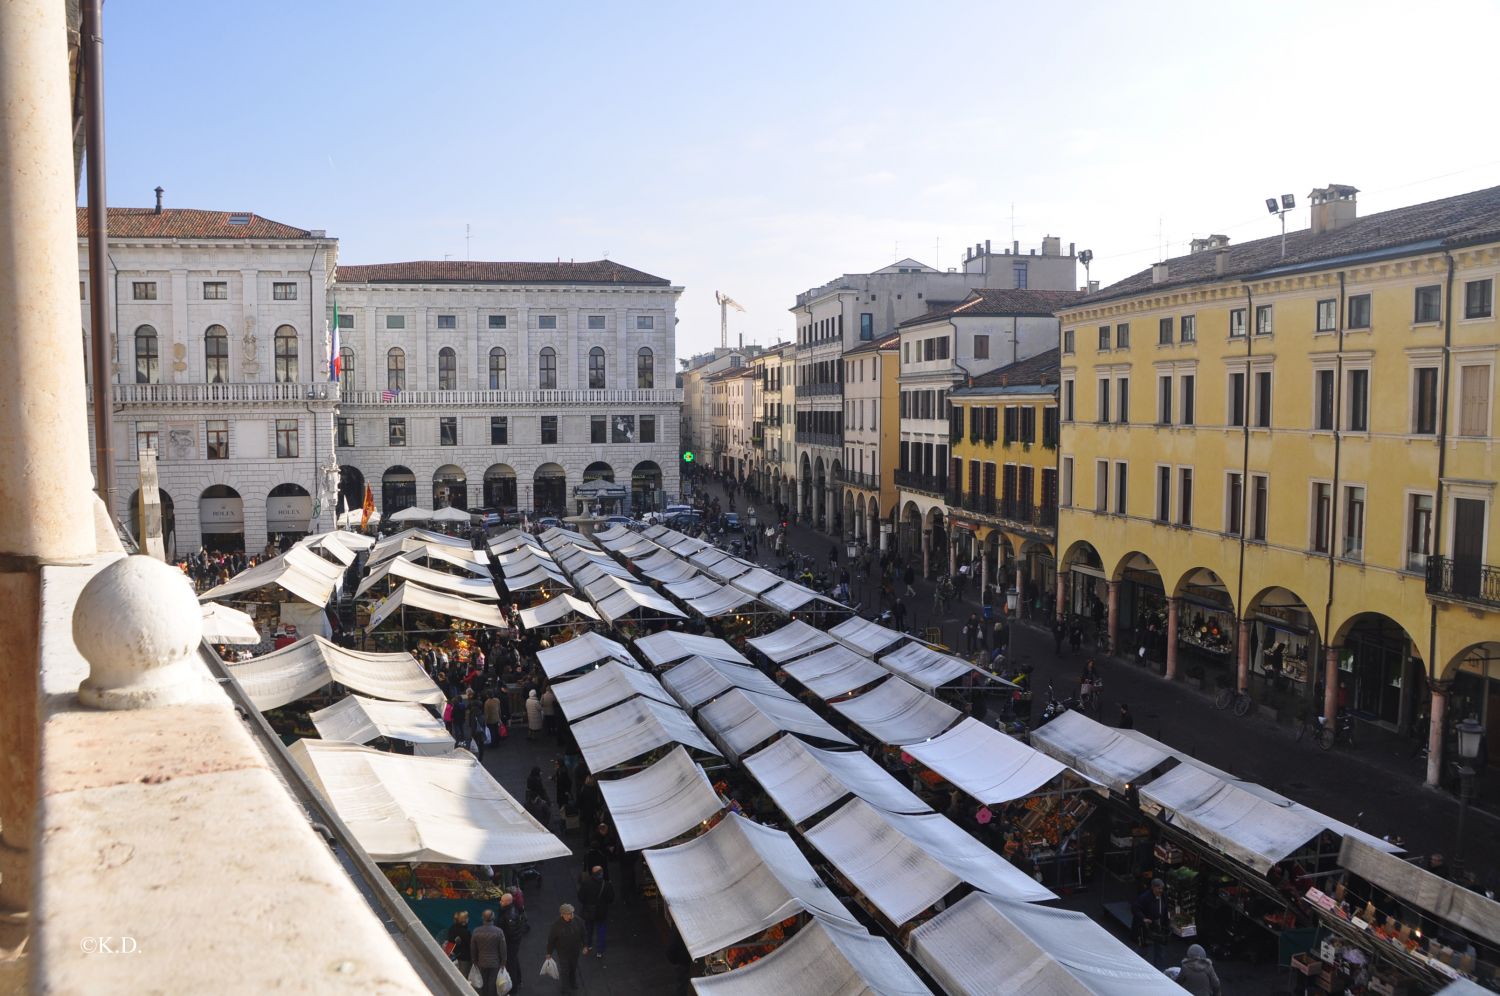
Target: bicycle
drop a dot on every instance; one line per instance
(1236, 698)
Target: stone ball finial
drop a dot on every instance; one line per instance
(139, 626)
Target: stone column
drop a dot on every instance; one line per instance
(953, 553)
(1174, 606)
(1331, 685)
(1062, 595)
(1439, 718)
(1114, 614)
(1242, 655)
(984, 575)
(45, 481)
(926, 551)
(1020, 588)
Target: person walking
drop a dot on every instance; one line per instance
(1057, 637)
(1197, 974)
(492, 716)
(488, 946)
(565, 946)
(457, 942)
(509, 922)
(533, 715)
(595, 895)
(562, 783)
(1150, 923)
(1126, 720)
(971, 633)
(909, 578)
(549, 711)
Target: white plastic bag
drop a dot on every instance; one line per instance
(549, 968)
(476, 978)
(503, 983)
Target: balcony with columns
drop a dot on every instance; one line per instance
(528, 398)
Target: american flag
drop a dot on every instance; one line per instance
(388, 395)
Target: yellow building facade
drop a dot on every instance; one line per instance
(866, 478)
(1278, 469)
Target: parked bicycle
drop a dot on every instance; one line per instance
(1238, 699)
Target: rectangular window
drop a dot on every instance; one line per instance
(981, 347)
(598, 429)
(1018, 271)
(1187, 330)
(1185, 496)
(147, 435)
(1067, 482)
(648, 428)
(1234, 503)
(499, 430)
(1354, 522)
(1103, 399)
(1164, 399)
(395, 430)
(1328, 315)
(645, 323)
(1359, 311)
(1067, 343)
(215, 290)
(1429, 305)
(1424, 400)
(1163, 494)
(395, 321)
(1323, 400)
(866, 326)
(447, 321)
(283, 291)
(1104, 338)
(143, 290)
(1418, 531)
(1067, 401)
(1474, 400)
(1321, 517)
(549, 430)
(1122, 335)
(1260, 492)
(345, 431)
(448, 431)
(346, 319)
(286, 439)
(622, 429)
(1189, 399)
(596, 322)
(1357, 417)
(1122, 388)
(1122, 486)
(1263, 319)
(1237, 399)
(216, 432)
(1263, 399)
(1164, 332)
(1479, 298)
(1101, 485)
(546, 321)
(1236, 323)
(497, 321)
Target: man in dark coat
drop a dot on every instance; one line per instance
(565, 946)
(487, 944)
(595, 894)
(1151, 919)
(510, 926)
(458, 936)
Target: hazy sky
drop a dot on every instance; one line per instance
(764, 148)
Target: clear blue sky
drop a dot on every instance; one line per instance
(760, 149)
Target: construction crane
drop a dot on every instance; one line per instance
(725, 303)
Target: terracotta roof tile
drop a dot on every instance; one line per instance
(461, 271)
(190, 223)
(987, 302)
(1039, 369)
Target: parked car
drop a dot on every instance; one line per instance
(549, 521)
(684, 520)
(622, 520)
(732, 522)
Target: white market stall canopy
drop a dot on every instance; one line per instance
(513, 540)
(358, 720)
(677, 570)
(652, 561)
(286, 675)
(1037, 950)
(482, 589)
(631, 597)
(635, 546)
(708, 557)
(615, 532)
(221, 624)
(299, 572)
(538, 575)
(348, 538)
(894, 712)
(1445, 900)
(670, 646)
(985, 763)
(904, 864)
(330, 546)
(694, 587)
(737, 880)
(866, 637)
(413, 514)
(444, 809)
(789, 596)
(450, 514)
(661, 802)
(414, 596)
(757, 580)
(607, 685)
(557, 609)
(699, 679)
(419, 536)
(795, 639)
(592, 570)
(821, 960)
(835, 671)
(804, 780)
(739, 721)
(1098, 752)
(725, 602)
(730, 568)
(657, 531)
(581, 651)
(929, 669)
(433, 553)
(633, 728)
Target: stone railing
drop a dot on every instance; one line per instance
(214, 394)
(531, 398)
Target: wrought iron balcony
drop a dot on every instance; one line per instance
(1464, 581)
(928, 483)
(819, 438)
(818, 390)
(855, 479)
(1003, 509)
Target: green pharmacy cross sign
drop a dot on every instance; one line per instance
(688, 457)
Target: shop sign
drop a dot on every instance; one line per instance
(221, 515)
(288, 512)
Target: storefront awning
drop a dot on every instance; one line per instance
(1035, 949)
(414, 596)
(904, 864)
(821, 959)
(604, 687)
(633, 728)
(482, 589)
(739, 721)
(444, 809)
(661, 802)
(932, 669)
(581, 651)
(670, 646)
(286, 675)
(699, 679)
(985, 763)
(1445, 900)
(866, 637)
(358, 720)
(1098, 752)
(737, 880)
(558, 608)
(894, 712)
(835, 671)
(804, 780)
(795, 639)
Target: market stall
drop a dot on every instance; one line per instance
(633, 730)
(221, 624)
(359, 720)
(819, 960)
(299, 573)
(795, 639)
(701, 679)
(559, 610)
(384, 577)
(413, 513)
(1111, 758)
(739, 721)
(583, 650)
(421, 610)
(661, 803)
(435, 555)
(789, 597)
(931, 669)
(804, 780)
(605, 687)
(835, 672)
(986, 764)
(670, 646)
(294, 672)
(894, 712)
(756, 581)
(867, 638)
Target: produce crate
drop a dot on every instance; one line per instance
(1388, 987)
(1306, 964)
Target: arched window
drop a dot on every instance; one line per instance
(447, 369)
(497, 369)
(596, 369)
(147, 356)
(286, 355)
(346, 366)
(395, 370)
(216, 355)
(547, 369)
(645, 368)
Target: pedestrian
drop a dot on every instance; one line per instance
(533, 715)
(900, 613)
(565, 947)
(492, 716)
(1150, 922)
(457, 942)
(1075, 637)
(1437, 866)
(971, 633)
(562, 783)
(595, 894)
(909, 578)
(1126, 721)
(590, 801)
(998, 636)
(488, 945)
(1197, 974)
(510, 924)
(1057, 637)
(549, 711)
(535, 787)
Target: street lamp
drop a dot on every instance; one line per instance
(1470, 734)
(1280, 208)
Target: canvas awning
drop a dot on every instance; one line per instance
(985, 763)
(581, 651)
(1445, 900)
(513, 540)
(631, 598)
(445, 809)
(726, 601)
(450, 514)
(677, 570)
(358, 720)
(656, 531)
(903, 864)
(894, 712)
(789, 596)
(795, 639)
(866, 637)
(414, 596)
(526, 557)
(538, 575)
(592, 570)
(558, 608)
(1037, 950)
(757, 580)
(670, 646)
(835, 671)
(695, 587)
(737, 880)
(607, 685)
(299, 572)
(331, 546)
(433, 553)
(616, 532)
(699, 679)
(635, 546)
(660, 558)
(661, 802)
(353, 540)
(729, 569)
(413, 513)
(804, 780)
(286, 675)
(687, 546)
(418, 536)
(708, 557)
(402, 569)
(740, 720)
(633, 728)
(1098, 752)
(930, 669)
(221, 624)
(819, 961)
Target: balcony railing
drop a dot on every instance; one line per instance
(819, 438)
(855, 479)
(929, 483)
(204, 394)
(530, 398)
(818, 390)
(1008, 510)
(1465, 581)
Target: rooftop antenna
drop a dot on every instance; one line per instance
(1013, 221)
(937, 252)
(468, 240)
(725, 303)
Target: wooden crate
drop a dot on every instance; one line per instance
(1307, 963)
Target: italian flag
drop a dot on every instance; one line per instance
(335, 362)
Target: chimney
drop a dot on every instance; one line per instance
(1332, 207)
(1221, 261)
(1159, 273)
(986, 247)
(1093, 286)
(1072, 248)
(1051, 246)
(1015, 247)
(159, 192)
